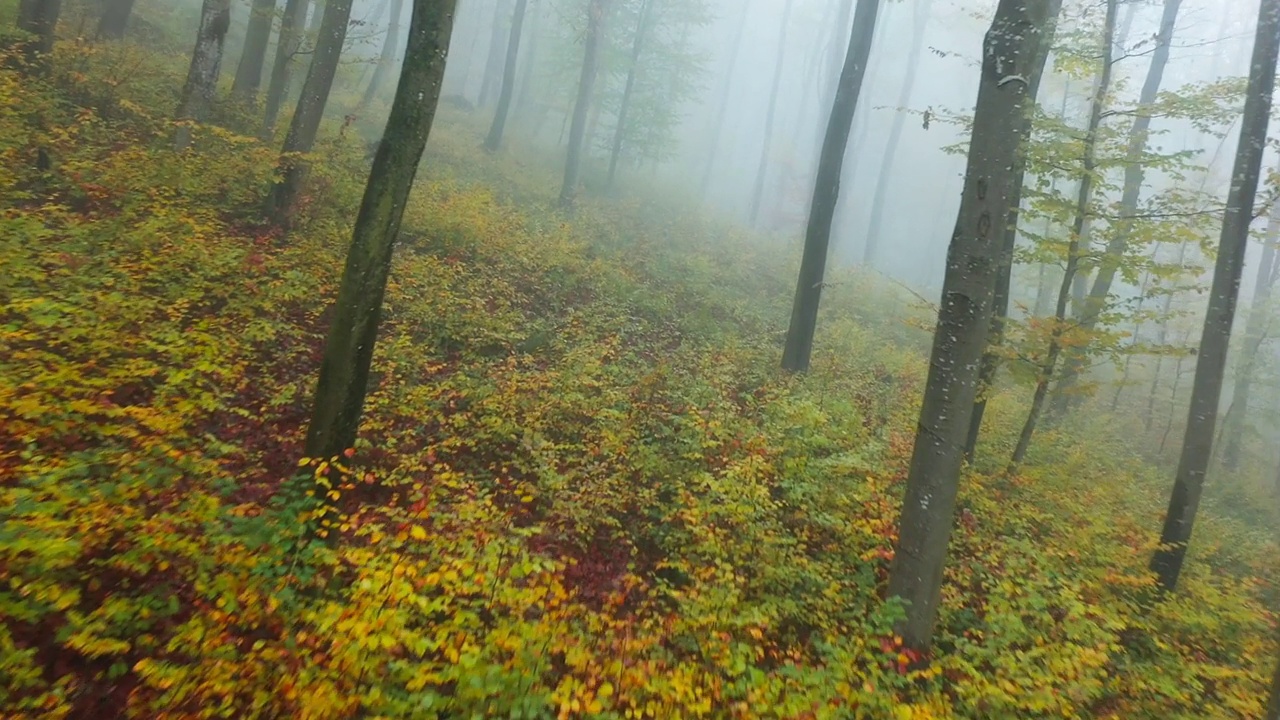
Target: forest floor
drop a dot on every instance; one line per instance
(583, 488)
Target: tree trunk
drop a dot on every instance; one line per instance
(115, 19)
(586, 82)
(637, 46)
(40, 19)
(249, 72)
(494, 140)
(1273, 697)
(493, 64)
(524, 89)
(1206, 389)
(722, 105)
(874, 227)
(826, 191)
(202, 74)
(1078, 243)
(1004, 276)
(1134, 173)
(310, 111)
(287, 45)
(348, 353)
(999, 131)
(387, 60)
(1254, 335)
(757, 196)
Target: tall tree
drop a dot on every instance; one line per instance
(637, 46)
(525, 86)
(722, 103)
(202, 74)
(387, 59)
(766, 148)
(494, 61)
(1088, 312)
(1206, 389)
(262, 15)
(1079, 237)
(494, 139)
(999, 132)
(306, 118)
(826, 191)
(39, 18)
(586, 83)
(288, 43)
(114, 20)
(348, 353)
(875, 226)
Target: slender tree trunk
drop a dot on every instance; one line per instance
(999, 132)
(875, 226)
(1254, 335)
(757, 195)
(1136, 339)
(493, 64)
(1084, 197)
(310, 111)
(40, 19)
(524, 88)
(115, 19)
(494, 140)
(202, 74)
(722, 104)
(387, 60)
(836, 48)
(1087, 313)
(826, 191)
(249, 72)
(637, 46)
(1004, 276)
(1211, 364)
(348, 353)
(586, 83)
(288, 43)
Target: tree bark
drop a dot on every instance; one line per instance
(1134, 173)
(40, 19)
(1078, 243)
(344, 372)
(494, 139)
(757, 195)
(524, 88)
(1206, 389)
(202, 74)
(115, 19)
(586, 83)
(310, 111)
(637, 46)
(288, 43)
(387, 60)
(249, 71)
(722, 105)
(826, 191)
(999, 131)
(493, 63)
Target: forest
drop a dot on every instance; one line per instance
(669, 359)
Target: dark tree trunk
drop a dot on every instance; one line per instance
(757, 195)
(999, 132)
(637, 46)
(494, 140)
(287, 45)
(874, 227)
(115, 19)
(249, 72)
(348, 353)
(387, 60)
(310, 111)
(1134, 173)
(1078, 243)
(722, 104)
(586, 83)
(826, 191)
(1206, 389)
(40, 19)
(202, 74)
(493, 63)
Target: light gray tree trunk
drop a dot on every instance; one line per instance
(387, 59)
(757, 195)
(202, 73)
(493, 63)
(722, 104)
(999, 132)
(1206, 390)
(288, 43)
(115, 19)
(637, 46)
(586, 83)
(494, 139)
(248, 78)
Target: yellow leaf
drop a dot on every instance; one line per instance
(418, 533)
